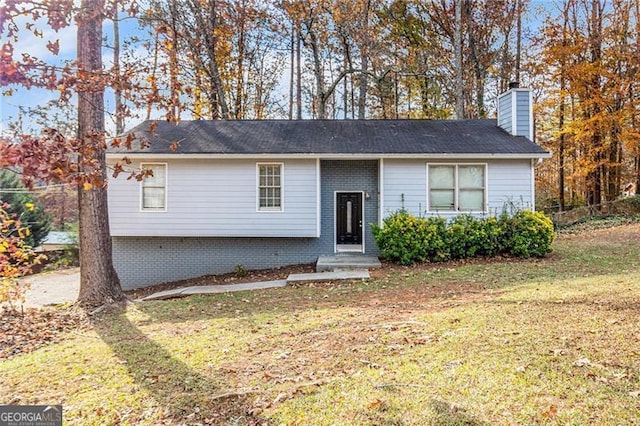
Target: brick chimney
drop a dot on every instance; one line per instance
(515, 111)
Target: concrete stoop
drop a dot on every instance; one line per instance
(346, 262)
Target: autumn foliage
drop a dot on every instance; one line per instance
(16, 258)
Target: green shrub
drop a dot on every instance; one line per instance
(468, 236)
(405, 239)
(528, 234)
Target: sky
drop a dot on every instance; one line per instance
(28, 43)
(36, 46)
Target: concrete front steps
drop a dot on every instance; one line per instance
(346, 262)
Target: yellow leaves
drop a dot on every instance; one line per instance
(87, 186)
(30, 206)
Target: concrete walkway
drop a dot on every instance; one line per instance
(52, 288)
(212, 289)
(293, 278)
(57, 287)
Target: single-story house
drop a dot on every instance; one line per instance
(269, 193)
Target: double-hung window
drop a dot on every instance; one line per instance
(154, 187)
(459, 187)
(270, 187)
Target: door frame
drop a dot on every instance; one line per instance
(335, 220)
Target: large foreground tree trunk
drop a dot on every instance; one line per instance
(99, 283)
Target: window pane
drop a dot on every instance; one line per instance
(471, 199)
(441, 199)
(153, 198)
(441, 177)
(471, 176)
(158, 174)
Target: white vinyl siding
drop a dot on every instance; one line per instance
(217, 198)
(457, 187)
(508, 183)
(269, 187)
(153, 193)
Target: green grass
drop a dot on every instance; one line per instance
(552, 341)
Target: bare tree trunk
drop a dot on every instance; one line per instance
(364, 63)
(320, 98)
(119, 113)
(174, 108)
(154, 87)
(345, 88)
(518, 38)
(298, 73)
(292, 69)
(458, 55)
(213, 63)
(239, 112)
(561, 145)
(99, 283)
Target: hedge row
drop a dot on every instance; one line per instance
(405, 239)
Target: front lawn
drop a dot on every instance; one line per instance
(552, 341)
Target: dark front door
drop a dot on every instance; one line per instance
(349, 218)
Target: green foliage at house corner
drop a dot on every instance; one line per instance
(23, 206)
(406, 239)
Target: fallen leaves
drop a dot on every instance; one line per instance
(23, 332)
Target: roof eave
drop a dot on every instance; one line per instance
(326, 156)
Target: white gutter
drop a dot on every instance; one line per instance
(370, 156)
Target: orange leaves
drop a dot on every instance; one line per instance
(54, 47)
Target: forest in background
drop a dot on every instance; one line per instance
(366, 59)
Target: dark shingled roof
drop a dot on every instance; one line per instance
(333, 137)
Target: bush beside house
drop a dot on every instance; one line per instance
(405, 239)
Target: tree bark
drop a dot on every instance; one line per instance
(99, 283)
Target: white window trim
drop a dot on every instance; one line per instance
(456, 189)
(269, 209)
(166, 189)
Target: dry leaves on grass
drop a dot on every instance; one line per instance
(25, 331)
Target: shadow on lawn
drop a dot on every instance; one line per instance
(447, 414)
(183, 394)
